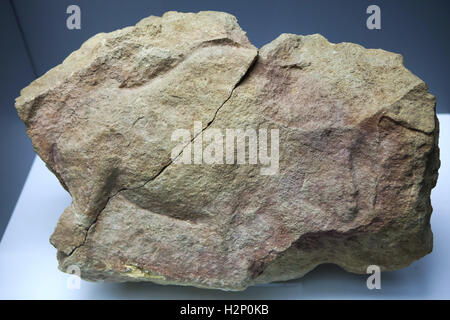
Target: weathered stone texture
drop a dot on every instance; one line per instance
(358, 155)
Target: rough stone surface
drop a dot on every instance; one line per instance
(358, 155)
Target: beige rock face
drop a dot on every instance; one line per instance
(358, 155)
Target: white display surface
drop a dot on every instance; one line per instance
(28, 265)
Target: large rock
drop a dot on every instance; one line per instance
(358, 155)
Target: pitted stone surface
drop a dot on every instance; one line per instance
(358, 155)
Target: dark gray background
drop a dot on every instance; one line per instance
(34, 38)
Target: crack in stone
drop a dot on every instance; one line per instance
(239, 82)
(404, 125)
(241, 79)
